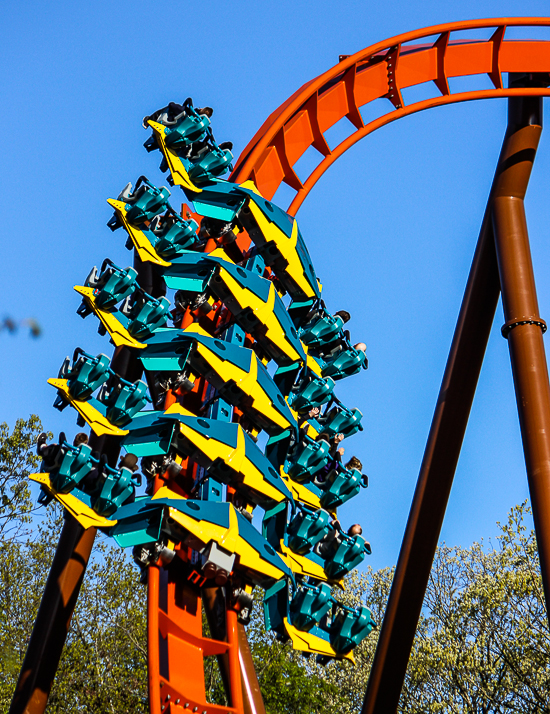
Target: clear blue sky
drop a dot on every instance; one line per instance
(391, 227)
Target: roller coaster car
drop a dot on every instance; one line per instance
(259, 310)
(145, 314)
(236, 372)
(274, 232)
(139, 316)
(76, 384)
(134, 219)
(346, 363)
(174, 235)
(311, 546)
(314, 621)
(84, 376)
(341, 485)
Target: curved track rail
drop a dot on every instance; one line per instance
(380, 71)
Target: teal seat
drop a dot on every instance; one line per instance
(321, 330)
(340, 486)
(313, 456)
(112, 285)
(145, 202)
(349, 628)
(190, 128)
(76, 464)
(175, 236)
(341, 420)
(346, 553)
(124, 401)
(215, 163)
(306, 529)
(347, 362)
(86, 374)
(118, 486)
(146, 314)
(309, 605)
(314, 393)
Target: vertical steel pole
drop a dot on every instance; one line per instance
(443, 448)
(523, 327)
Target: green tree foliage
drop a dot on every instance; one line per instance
(103, 667)
(482, 646)
(483, 641)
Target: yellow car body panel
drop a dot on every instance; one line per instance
(286, 246)
(300, 492)
(301, 565)
(87, 517)
(141, 243)
(263, 311)
(98, 423)
(308, 642)
(119, 334)
(235, 458)
(229, 539)
(175, 164)
(247, 381)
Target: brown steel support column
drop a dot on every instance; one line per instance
(441, 454)
(523, 326)
(53, 619)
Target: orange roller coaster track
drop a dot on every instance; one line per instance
(383, 71)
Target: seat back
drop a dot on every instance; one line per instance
(350, 551)
(306, 529)
(147, 315)
(340, 485)
(114, 285)
(311, 459)
(314, 393)
(87, 374)
(178, 236)
(76, 463)
(125, 403)
(349, 627)
(310, 605)
(189, 128)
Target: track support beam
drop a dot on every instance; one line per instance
(454, 405)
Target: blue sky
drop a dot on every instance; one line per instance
(391, 227)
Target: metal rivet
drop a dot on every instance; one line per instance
(177, 701)
(168, 697)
